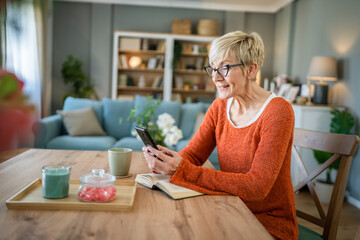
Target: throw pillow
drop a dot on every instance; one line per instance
(189, 112)
(81, 122)
(199, 119)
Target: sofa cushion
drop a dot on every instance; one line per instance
(72, 103)
(199, 119)
(113, 111)
(205, 107)
(129, 142)
(81, 122)
(171, 107)
(189, 113)
(99, 143)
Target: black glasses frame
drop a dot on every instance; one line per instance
(227, 67)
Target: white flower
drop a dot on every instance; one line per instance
(172, 136)
(165, 120)
(134, 133)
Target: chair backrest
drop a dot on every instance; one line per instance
(343, 148)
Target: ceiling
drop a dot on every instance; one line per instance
(267, 6)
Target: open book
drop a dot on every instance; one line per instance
(161, 181)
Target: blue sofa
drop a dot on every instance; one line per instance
(50, 131)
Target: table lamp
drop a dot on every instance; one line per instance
(322, 69)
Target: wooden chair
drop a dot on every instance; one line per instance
(343, 148)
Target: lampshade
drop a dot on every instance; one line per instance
(323, 68)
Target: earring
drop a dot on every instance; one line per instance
(249, 77)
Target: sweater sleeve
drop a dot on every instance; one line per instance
(275, 141)
(197, 153)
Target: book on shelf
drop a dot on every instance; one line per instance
(122, 80)
(123, 61)
(161, 46)
(179, 83)
(160, 61)
(206, 62)
(160, 83)
(130, 43)
(157, 82)
(199, 63)
(161, 182)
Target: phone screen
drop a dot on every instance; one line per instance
(145, 137)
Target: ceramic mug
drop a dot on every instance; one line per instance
(119, 161)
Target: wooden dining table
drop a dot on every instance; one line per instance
(153, 216)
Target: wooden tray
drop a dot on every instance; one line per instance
(30, 197)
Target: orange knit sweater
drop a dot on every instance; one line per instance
(254, 162)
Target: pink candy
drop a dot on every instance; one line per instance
(97, 194)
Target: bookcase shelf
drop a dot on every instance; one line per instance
(144, 70)
(189, 54)
(159, 48)
(190, 71)
(193, 91)
(135, 89)
(141, 52)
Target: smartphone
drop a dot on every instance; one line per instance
(145, 137)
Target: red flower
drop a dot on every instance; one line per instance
(15, 114)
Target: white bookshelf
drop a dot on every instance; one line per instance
(166, 72)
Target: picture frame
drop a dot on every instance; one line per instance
(305, 90)
(284, 88)
(152, 62)
(292, 93)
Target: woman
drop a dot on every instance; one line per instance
(253, 132)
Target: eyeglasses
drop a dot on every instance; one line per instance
(222, 70)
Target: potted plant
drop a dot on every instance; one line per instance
(341, 122)
(72, 73)
(162, 129)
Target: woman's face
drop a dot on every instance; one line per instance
(234, 84)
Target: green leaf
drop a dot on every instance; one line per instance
(72, 73)
(8, 85)
(341, 122)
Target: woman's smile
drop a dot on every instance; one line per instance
(222, 87)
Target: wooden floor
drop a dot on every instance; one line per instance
(349, 219)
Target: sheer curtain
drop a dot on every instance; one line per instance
(22, 49)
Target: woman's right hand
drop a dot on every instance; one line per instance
(163, 161)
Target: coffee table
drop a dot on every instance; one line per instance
(153, 216)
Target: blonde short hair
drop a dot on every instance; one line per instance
(245, 48)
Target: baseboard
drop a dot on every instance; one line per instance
(353, 201)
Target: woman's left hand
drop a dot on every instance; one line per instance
(170, 159)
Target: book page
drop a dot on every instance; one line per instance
(158, 177)
(145, 179)
(150, 179)
(161, 181)
(175, 191)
